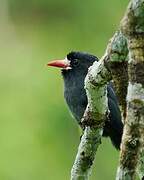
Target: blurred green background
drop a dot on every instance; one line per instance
(38, 137)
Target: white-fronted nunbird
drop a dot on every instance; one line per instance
(74, 69)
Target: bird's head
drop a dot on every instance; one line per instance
(78, 62)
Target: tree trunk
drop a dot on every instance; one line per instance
(116, 65)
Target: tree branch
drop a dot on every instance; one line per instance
(97, 109)
(118, 65)
(133, 138)
(113, 65)
(93, 122)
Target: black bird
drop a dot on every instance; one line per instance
(74, 70)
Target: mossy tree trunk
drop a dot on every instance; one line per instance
(132, 27)
(123, 63)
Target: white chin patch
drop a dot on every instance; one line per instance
(67, 68)
(67, 62)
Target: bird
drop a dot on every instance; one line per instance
(74, 68)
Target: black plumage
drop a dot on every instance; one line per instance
(74, 70)
(76, 98)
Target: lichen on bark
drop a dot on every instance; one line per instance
(92, 121)
(116, 65)
(96, 113)
(132, 26)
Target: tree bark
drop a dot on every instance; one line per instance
(93, 122)
(132, 27)
(96, 113)
(117, 66)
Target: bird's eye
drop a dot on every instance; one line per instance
(75, 62)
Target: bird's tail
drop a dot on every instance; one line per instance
(113, 126)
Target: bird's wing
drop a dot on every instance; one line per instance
(113, 126)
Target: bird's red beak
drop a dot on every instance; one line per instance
(65, 64)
